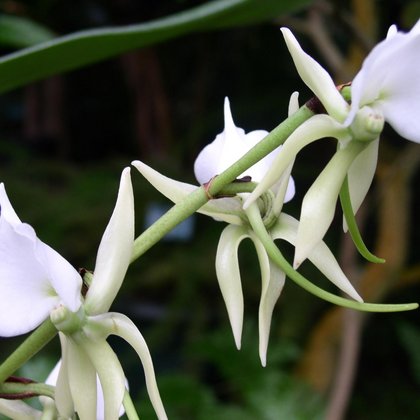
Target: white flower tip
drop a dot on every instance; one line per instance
(230, 127)
(293, 103)
(263, 358)
(391, 31)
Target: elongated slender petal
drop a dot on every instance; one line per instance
(121, 325)
(317, 127)
(60, 378)
(272, 282)
(225, 209)
(286, 228)
(229, 276)
(82, 382)
(360, 175)
(316, 78)
(110, 374)
(318, 205)
(115, 250)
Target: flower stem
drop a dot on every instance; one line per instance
(13, 390)
(274, 253)
(32, 345)
(199, 197)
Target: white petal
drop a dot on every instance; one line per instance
(318, 205)
(316, 78)
(360, 175)
(110, 374)
(227, 148)
(229, 276)
(286, 190)
(82, 381)
(24, 282)
(122, 326)
(317, 127)
(272, 282)
(6, 208)
(226, 209)
(115, 250)
(63, 277)
(60, 377)
(388, 80)
(286, 228)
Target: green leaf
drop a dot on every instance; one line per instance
(18, 32)
(352, 225)
(89, 46)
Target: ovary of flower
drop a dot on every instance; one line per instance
(33, 275)
(386, 88)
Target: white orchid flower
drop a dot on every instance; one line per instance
(32, 275)
(213, 160)
(386, 88)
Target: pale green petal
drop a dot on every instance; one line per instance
(272, 282)
(118, 324)
(317, 127)
(224, 209)
(82, 381)
(111, 375)
(319, 203)
(285, 190)
(286, 228)
(115, 250)
(229, 276)
(316, 78)
(63, 398)
(360, 176)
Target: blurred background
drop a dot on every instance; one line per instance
(64, 141)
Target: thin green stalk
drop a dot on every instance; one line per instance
(29, 389)
(276, 256)
(352, 225)
(198, 198)
(32, 345)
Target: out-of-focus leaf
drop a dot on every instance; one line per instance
(410, 338)
(89, 46)
(19, 32)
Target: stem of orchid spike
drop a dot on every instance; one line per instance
(352, 225)
(274, 253)
(32, 345)
(25, 390)
(199, 197)
(130, 410)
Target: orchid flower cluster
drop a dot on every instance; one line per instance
(89, 379)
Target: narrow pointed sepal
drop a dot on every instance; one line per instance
(111, 375)
(286, 228)
(229, 276)
(122, 326)
(114, 253)
(225, 209)
(316, 78)
(272, 282)
(319, 203)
